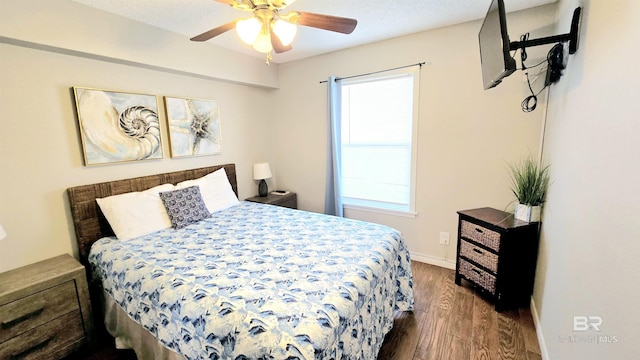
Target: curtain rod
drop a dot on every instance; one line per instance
(376, 72)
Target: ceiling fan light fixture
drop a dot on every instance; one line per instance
(263, 43)
(281, 3)
(248, 30)
(285, 31)
(269, 30)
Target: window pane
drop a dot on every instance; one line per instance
(377, 124)
(379, 173)
(378, 112)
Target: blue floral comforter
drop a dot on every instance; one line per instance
(262, 282)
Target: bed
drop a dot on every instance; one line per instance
(248, 281)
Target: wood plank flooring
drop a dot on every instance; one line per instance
(453, 322)
(449, 322)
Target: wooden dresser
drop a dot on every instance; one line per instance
(45, 312)
(497, 254)
(289, 200)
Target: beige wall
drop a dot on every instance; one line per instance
(466, 135)
(71, 28)
(591, 227)
(40, 152)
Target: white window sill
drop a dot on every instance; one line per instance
(402, 213)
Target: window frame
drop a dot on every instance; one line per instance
(408, 210)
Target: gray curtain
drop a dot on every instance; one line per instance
(333, 193)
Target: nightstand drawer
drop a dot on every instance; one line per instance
(41, 342)
(290, 202)
(479, 255)
(481, 235)
(482, 278)
(34, 310)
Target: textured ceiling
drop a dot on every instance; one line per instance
(377, 19)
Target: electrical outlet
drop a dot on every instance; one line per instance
(444, 238)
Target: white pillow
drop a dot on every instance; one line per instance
(136, 213)
(215, 190)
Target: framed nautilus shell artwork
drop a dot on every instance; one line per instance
(117, 126)
(194, 126)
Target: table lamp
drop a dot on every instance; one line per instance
(262, 171)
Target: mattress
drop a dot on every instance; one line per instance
(257, 281)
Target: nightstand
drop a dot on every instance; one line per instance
(497, 254)
(45, 311)
(289, 200)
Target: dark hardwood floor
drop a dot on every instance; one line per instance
(103, 349)
(453, 322)
(449, 322)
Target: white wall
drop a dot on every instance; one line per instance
(40, 151)
(588, 263)
(72, 28)
(466, 135)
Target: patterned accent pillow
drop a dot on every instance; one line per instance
(184, 206)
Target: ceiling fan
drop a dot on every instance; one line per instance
(269, 30)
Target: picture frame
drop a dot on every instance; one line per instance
(117, 126)
(194, 126)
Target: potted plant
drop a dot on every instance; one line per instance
(529, 184)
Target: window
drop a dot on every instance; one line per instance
(378, 140)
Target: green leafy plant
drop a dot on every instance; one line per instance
(529, 181)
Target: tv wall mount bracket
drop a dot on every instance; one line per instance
(572, 37)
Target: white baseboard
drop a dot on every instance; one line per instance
(536, 322)
(433, 260)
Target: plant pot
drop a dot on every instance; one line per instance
(527, 213)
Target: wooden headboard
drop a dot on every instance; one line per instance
(89, 222)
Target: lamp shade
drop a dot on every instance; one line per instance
(248, 30)
(263, 43)
(3, 233)
(261, 171)
(285, 31)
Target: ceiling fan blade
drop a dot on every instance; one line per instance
(215, 32)
(277, 44)
(327, 22)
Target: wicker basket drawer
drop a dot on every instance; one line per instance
(478, 276)
(481, 235)
(479, 255)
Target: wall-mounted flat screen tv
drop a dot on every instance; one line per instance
(495, 56)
